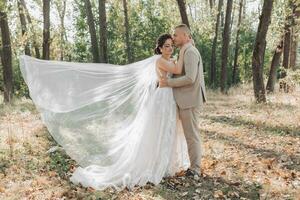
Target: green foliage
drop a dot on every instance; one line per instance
(116, 45)
(203, 43)
(81, 48)
(288, 74)
(247, 38)
(146, 23)
(20, 88)
(61, 163)
(147, 20)
(295, 75)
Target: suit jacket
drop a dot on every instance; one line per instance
(189, 87)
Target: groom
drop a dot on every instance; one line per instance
(189, 94)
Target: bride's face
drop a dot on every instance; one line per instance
(167, 48)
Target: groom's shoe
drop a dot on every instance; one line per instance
(192, 173)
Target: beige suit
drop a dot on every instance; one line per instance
(189, 93)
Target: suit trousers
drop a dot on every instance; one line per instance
(190, 124)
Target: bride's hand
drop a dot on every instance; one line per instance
(173, 60)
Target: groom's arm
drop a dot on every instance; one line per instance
(191, 64)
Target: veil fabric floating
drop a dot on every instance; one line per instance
(111, 119)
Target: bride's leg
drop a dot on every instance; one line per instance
(180, 158)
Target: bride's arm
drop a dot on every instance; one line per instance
(175, 68)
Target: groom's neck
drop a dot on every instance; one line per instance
(184, 43)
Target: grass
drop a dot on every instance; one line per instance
(250, 151)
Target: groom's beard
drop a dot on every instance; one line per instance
(177, 46)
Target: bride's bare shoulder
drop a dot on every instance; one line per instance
(162, 64)
(159, 62)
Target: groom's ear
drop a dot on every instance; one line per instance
(187, 34)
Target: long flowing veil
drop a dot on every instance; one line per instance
(86, 106)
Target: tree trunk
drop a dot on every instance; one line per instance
(259, 51)
(278, 52)
(244, 8)
(232, 16)
(222, 17)
(6, 56)
(103, 31)
(287, 46)
(182, 10)
(23, 27)
(46, 30)
(61, 9)
(190, 6)
(274, 66)
(211, 4)
(294, 35)
(289, 36)
(92, 31)
(225, 47)
(293, 53)
(127, 39)
(35, 44)
(213, 70)
(237, 44)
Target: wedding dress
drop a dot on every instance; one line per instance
(112, 120)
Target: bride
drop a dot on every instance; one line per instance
(114, 121)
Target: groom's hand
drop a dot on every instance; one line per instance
(163, 83)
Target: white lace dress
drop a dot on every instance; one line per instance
(113, 120)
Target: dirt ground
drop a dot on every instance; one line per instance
(250, 151)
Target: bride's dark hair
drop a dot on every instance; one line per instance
(161, 41)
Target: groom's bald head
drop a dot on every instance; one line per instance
(182, 34)
(184, 28)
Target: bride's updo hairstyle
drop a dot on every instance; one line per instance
(161, 41)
